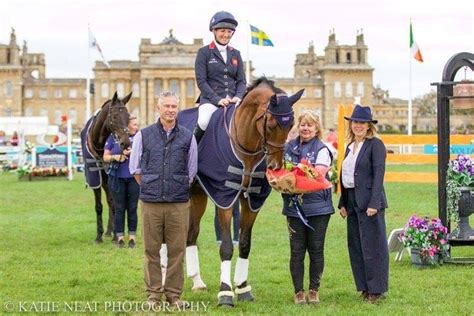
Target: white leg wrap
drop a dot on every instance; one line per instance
(192, 265)
(192, 261)
(205, 113)
(241, 271)
(246, 289)
(225, 272)
(164, 256)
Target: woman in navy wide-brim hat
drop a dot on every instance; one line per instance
(363, 203)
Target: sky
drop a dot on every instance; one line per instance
(58, 28)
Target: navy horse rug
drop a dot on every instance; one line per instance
(220, 172)
(92, 167)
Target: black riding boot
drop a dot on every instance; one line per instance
(198, 133)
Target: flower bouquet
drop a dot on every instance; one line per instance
(427, 240)
(302, 178)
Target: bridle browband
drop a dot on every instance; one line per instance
(263, 137)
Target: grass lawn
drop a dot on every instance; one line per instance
(47, 254)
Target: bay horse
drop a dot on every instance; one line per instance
(112, 118)
(257, 133)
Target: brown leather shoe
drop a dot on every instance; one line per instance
(364, 295)
(178, 304)
(300, 298)
(313, 297)
(374, 298)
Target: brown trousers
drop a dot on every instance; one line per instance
(164, 223)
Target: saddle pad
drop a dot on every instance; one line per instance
(220, 172)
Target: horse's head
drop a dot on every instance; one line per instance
(278, 120)
(117, 120)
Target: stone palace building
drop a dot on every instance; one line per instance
(340, 76)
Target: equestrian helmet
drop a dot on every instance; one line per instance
(223, 20)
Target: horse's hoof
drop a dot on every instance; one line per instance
(247, 296)
(225, 301)
(99, 240)
(200, 288)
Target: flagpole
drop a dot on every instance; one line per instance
(247, 68)
(88, 79)
(410, 118)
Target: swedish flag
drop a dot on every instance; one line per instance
(259, 37)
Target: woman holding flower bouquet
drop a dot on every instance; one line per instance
(308, 220)
(363, 203)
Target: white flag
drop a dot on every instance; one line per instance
(94, 44)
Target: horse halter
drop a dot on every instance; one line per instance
(112, 125)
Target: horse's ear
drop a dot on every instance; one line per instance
(273, 99)
(295, 97)
(114, 98)
(127, 98)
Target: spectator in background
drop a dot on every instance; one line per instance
(14, 141)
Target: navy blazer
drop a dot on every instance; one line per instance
(215, 78)
(368, 176)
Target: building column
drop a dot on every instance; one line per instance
(182, 93)
(151, 103)
(166, 85)
(143, 99)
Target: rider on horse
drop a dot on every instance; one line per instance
(219, 71)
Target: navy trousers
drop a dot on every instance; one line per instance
(368, 250)
(125, 196)
(302, 240)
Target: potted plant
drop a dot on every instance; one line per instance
(426, 239)
(460, 196)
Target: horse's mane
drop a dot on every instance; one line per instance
(263, 80)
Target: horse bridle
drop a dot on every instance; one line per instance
(116, 127)
(264, 148)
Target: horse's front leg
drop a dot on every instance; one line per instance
(225, 296)
(247, 219)
(98, 213)
(198, 207)
(110, 203)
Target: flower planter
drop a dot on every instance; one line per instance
(419, 261)
(29, 177)
(466, 208)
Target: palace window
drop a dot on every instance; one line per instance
(174, 87)
(28, 111)
(190, 88)
(360, 88)
(57, 116)
(120, 89)
(337, 89)
(104, 90)
(72, 93)
(43, 93)
(348, 58)
(28, 93)
(44, 112)
(157, 87)
(317, 93)
(8, 89)
(73, 115)
(135, 90)
(348, 89)
(58, 93)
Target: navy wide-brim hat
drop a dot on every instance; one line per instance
(361, 114)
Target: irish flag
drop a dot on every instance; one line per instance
(415, 50)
